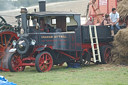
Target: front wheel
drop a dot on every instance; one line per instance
(105, 54)
(14, 63)
(44, 62)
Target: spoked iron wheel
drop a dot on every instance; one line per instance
(6, 39)
(44, 62)
(14, 63)
(105, 54)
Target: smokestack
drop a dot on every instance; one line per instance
(24, 19)
(42, 5)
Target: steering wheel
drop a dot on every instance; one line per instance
(2, 21)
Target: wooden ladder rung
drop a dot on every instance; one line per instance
(96, 54)
(94, 37)
(96, 49)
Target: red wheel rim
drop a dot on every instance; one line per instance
(6, 39)
(45, 62)
(16, 63)
(107, 55)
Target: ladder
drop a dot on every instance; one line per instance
(94, 43)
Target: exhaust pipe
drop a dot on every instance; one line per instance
(42, 5)
(24, 19)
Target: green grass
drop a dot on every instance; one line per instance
(91, 75)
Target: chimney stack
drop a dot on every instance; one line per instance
(42, 5)
(24, 19)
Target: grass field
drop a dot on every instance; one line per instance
(91, 75)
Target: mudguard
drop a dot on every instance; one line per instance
(41, 49)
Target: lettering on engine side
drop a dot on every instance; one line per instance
(56, 36)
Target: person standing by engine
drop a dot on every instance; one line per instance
(94, 12)
(114, 17)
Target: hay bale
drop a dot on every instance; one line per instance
(120, 47)
(121, 37)
(122, 8)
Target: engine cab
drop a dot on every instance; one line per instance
(52, 21)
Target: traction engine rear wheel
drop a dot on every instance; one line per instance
(105, 54)
(6, 39)
(44, 62)
(14, 63)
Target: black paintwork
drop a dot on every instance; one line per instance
(103, 32)
(70, 41)
(65, 41)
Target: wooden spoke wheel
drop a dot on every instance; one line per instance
(44, 62)
(6, 39)
(15, 62)
(105, 54)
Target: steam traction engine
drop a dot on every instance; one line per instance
(52, 38)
